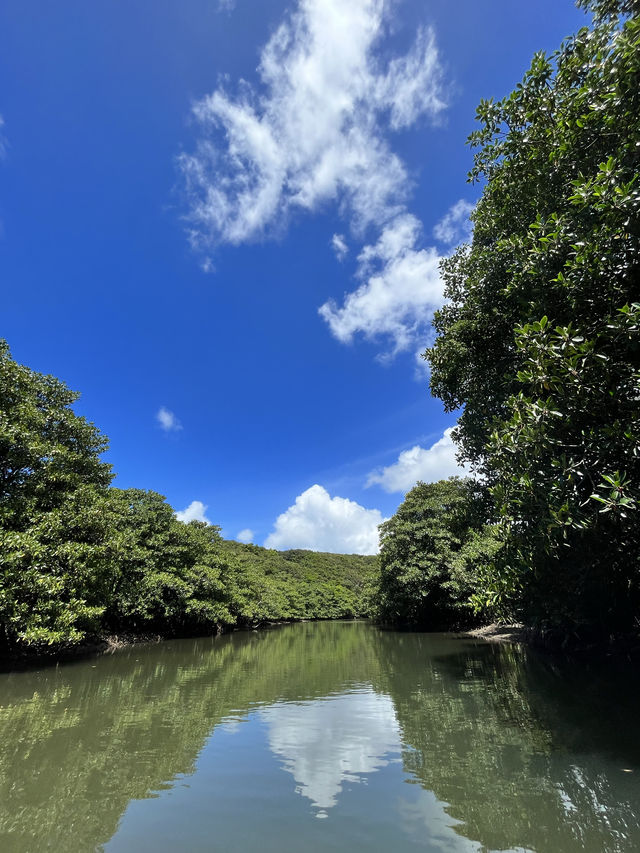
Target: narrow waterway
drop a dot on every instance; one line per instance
(321, 737)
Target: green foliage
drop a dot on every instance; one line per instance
(46, 450)
(540, 341)
(431, 551)
(166, 574)
(79, 558)
(608, 8)
(266, 585)
(53, 487)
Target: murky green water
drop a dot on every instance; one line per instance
(328, 736)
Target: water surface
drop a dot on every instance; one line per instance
(321, 737)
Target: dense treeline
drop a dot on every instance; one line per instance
(80, 558)
(539, 343)
(270, 585)
(432, 552)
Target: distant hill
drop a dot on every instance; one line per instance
(268, 585)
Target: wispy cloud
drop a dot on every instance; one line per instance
(318, 129)
(426, 464)
(455, 226)
(339, 246)
(167, 420)
(321, 523)
(194, 512)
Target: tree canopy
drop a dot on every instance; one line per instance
(431, 552)
(53, 489)
(540, 339)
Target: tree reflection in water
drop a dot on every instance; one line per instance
(521, 752)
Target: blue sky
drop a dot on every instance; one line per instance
(221, 222)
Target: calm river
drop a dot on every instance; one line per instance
(320, 737)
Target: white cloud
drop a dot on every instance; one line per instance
(455, 226)
(245, 535)
(194, 512)
(339, 245)
(401, 288)
(429, 465)
(321, 523)
(412, 85)
(315, 132)
(167, 420)
(226, 5)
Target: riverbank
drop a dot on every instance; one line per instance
(558, 643)
(516, 633)
(497, 633)
(27, 658)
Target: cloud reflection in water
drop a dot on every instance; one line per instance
(339, 739)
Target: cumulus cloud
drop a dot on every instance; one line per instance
(339, 246)
(321, 523)
(245, 535)
(194, 512)
(399, 291)
(455, 226)
(427, 464)
(167, 420)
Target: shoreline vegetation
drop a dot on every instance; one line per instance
(619, 648)
(537, 349)
(81, 559)
(538, 345)
(107, 644)
(27, 658)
